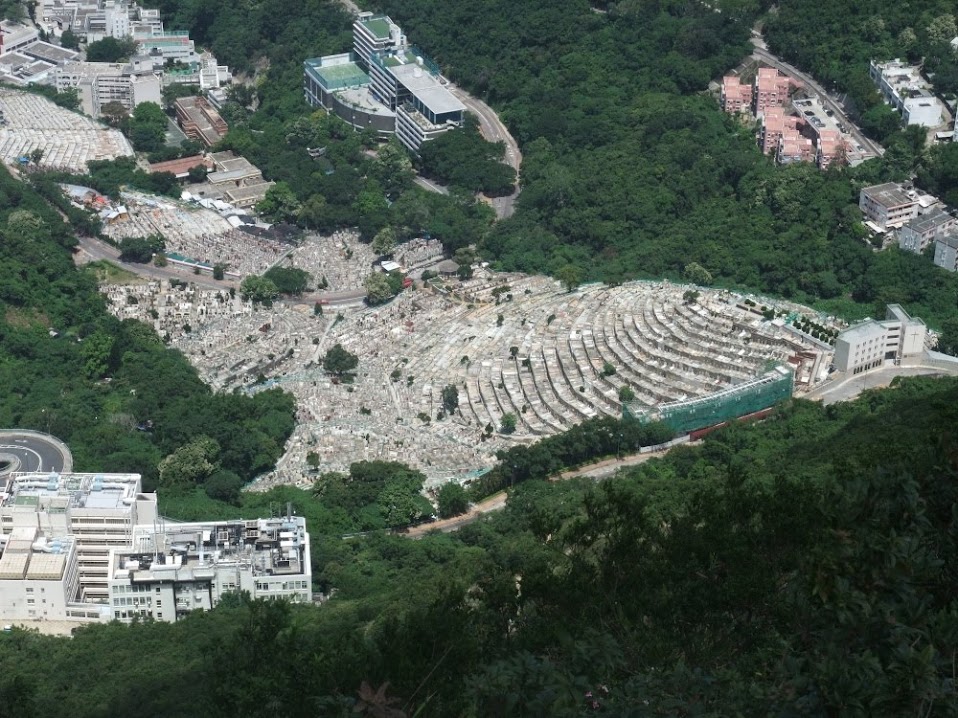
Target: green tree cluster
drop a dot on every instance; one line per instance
(796, 566)
(464, 159)
(110, 49)
(141, 249)
(288, 280)
(339, 361)
(259, 290)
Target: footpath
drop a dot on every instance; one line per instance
(596, 471)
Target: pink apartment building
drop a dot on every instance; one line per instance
(736, 97)
(772, 89)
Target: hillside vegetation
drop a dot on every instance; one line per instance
(801, 566)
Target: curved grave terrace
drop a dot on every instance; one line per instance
(545, 361)
(68, 139)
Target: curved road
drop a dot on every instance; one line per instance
(99, 250)
(493, 129)
(30, 451)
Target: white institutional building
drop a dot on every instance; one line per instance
(385, 84)
(870, 344)
(88, 547)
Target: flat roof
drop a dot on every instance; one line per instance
(101, 491)
(379, 25)
(337, 71)
(949, 239)
(926, 222)
(889, 195)
(866, 329)
(426, 88)
(52, 53)
(361, 98)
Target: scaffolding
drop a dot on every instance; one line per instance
(736, 401)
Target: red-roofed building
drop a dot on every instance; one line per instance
(772, 89)
(736, 97)
(181, 167)
(794, 147)
(831, 148)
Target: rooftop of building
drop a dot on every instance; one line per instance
(378, 25)
(185, 551)
(28, 554)
(16, 31)
(889, 194)
(337, 71)
(816, 115)
(361, 99)
(76, 491)
(929, 221)
(949, 239)
(865, 330)
(180, 166)
(426, 88)
(51, 53)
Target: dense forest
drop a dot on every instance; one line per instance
(799, 566)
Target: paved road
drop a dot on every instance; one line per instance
(33, 451)
(848, 388)
(760, 53)
(494, 130)
(430, 185)
(98, 250)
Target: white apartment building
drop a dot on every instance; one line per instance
(91, 547)
(97, 511)
(176, 568)
(888, 205)
(946, 251)
(903, 87)
(870, 344)
(102, 82)
(375, 34)
(916, 234)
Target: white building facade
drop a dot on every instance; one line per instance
(182, 567)
(888, 205)
(872, 343)
(946, 252)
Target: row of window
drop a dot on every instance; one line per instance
(284, 586)
(134, 588)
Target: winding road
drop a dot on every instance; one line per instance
(494, 130)
(29, 451)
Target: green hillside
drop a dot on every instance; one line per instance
(801, 566)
